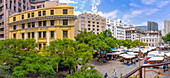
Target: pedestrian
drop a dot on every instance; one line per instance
(164, 67)
(105, 76)
(114, 73)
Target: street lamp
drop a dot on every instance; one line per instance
(139, 50)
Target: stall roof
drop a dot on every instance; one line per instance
(168, 54)
(156, 59)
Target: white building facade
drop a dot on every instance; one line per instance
(152, 38)
(117, 28)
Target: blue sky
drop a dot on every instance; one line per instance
(135, 12)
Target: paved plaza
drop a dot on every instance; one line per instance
(121, 68)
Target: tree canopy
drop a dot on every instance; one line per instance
(166, 38)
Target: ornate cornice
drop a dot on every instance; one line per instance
(44, 18)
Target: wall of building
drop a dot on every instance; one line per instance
(117, 28)
(166, 27)
(90, 22)
(50, 23)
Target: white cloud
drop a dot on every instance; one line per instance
(151, 11)
(77, 12)
(66, 1)
(162, 3)
(148, 2)
(129, 16)
(133, 5)
(111, 15)
(142, 24)
(94, 4)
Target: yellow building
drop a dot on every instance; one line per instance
(44, 25)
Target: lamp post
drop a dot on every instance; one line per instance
(139, 50)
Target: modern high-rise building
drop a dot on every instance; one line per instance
(117, 28)
(43, 24)
(9, 7)
(152, 26)
(141, 27)
(90, 22)
(166, 27)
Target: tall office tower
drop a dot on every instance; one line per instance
(117, 28)
(166, 27)
(43, 24)
(152, 26)
(90, 22)
(9, 7)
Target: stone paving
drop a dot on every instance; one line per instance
(121, 68)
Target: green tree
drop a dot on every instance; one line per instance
(87, 71)
(166, 38)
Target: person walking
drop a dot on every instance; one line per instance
(105, 76)
(114, 73)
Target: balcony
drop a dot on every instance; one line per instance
(1, 26)
(1, 12)
(2, 20)
(1, 4)
(1, 32)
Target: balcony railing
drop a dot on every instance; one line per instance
(44, 18)
(1, 12)
(1, 4)
(1, 26)
(139, 69)
(1, 32)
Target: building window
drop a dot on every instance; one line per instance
(65, 22)
(39, 13)
(44, 34)
(89, 25)
(64, 34)
(52, 34)
(28, 15)
(22, 35)
(52, 12)
(93, 29)
(97, 22)
(40, 23)
(32, 14)
(14, 18)
(23, 26)
(22, 16)
(39, 34)
(44, 13)
(29, 25)
(93, 25)
(14, 35)
(33, 24)
(52, 22)
(88, 21)
(28, 35)
(39, 6)
(97, 29)
(64, 11)
(32, 7)
(15, 27)
(93, 22)
(89, 29)
(44, 23)
(32, 34)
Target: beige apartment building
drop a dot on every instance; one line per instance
(166, 27)
(90, 22)
(9, 7)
